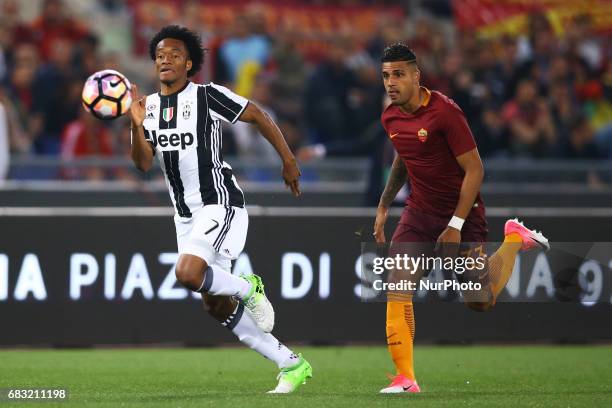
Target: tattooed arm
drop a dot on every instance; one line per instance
(397, 178)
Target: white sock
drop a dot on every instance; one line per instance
(243, 326)
(224, 283)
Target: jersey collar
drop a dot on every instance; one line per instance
(424, 104)
(427, 96)
(175, 92)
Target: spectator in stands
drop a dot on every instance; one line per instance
(467, 94)
(581, 42)
(4, 49)
(86, 58)
(19, 96)
(55, 82)
(597, 107)
(366, 93)
(537, 23)
(85, 136)
(543, 46)
(563, 107)
(26, 62)
(288, 70)
(581, 143)
(559, 69)
(530, 126)
(245, 53)
(54, 24)
(489, 82)
(17, 31)
(4, 143)
(191, 16)
(389, 29)
(442, 79)
(491, 134)
(328, 115)
(507, 65)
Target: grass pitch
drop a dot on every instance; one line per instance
(501, 376)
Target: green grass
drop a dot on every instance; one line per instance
(478, 376)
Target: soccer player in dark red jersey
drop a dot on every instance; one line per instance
(437, 154)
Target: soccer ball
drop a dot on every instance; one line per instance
(106, 94)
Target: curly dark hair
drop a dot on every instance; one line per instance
(398, 52)
(192, 42)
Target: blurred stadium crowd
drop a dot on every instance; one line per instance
(539, 94)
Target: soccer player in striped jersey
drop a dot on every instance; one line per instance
(437, 155)
(181, 125)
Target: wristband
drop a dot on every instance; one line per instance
(319, 150)
(456, 222)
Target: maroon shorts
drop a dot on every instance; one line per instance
(417, 226)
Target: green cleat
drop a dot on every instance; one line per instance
(290, 378)
(258, 305)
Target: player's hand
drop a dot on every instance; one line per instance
(379, 224)
(291, 174)
(137, 109)
(448, 242)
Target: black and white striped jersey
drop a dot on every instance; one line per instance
(185, 131)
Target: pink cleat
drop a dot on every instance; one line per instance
(531, 238)
(401, 383)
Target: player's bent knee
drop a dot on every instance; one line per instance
(189, 271)
(186, 277)
(480, 306)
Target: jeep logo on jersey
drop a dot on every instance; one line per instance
(172, 141)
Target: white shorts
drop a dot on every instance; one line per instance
(215, 233)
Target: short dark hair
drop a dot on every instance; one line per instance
(192, 42)
(398, 52)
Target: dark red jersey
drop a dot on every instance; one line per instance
(429, 140)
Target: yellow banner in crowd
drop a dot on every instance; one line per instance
(496, 17)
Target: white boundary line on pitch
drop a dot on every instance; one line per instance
(260, 211)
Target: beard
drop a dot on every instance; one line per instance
(399, 102)
(168, 82)
(403, 98)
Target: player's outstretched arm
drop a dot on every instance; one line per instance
(142, 151)
(254, 115)
(397, 178)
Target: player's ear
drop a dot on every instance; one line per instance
(417, 75)
(189, 65)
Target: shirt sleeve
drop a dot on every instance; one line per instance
(224, 104)
(383, 124)
(147, 136)
(456, 130)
